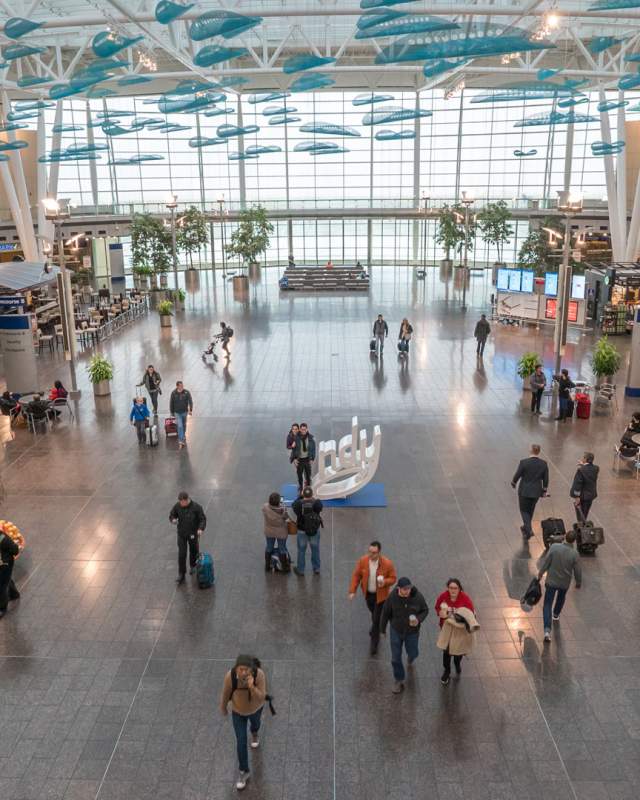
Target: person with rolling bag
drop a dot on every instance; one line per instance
(139, 417)
(560, 564)
(404, 337)
(584, 491)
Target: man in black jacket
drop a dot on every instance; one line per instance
(481, 333)
(307, 509)
(380, 332)
(304, 454)
(584, 489)
(181, 404)
(533, 477)
(151, 380)
(191, 521)
(406, 609)
(8, 591)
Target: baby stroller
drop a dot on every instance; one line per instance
(209, 356)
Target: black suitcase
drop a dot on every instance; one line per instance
(553, 531)
(372, 345)
(588, 537)
(532, 596)
(570, 407)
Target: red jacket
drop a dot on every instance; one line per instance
(57, 394)
(361, 577)
(463, 601)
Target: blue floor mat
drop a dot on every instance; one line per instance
(370, 496)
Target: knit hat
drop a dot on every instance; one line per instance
(403, 583)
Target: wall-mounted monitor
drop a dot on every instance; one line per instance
(577, 287)
(503, 280)
(551, 309)
(551, 284)
(526, 284)
(515, 280)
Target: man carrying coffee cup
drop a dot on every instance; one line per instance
(376, 575)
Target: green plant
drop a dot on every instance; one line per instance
(494, 225)
(605, 360)
(99, 369)
(179, 295)
(251, 237)
(165, 307)
(451, 230)
(143, 270)
(191, 232)
(527, 365)
(150, 243)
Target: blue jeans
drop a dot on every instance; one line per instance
(240, 729)
(181, 425)
(314, 543)
(564, 403)
(271, 541)
(551, 592)
(410, 642)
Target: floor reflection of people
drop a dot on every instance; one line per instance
(404, 374)
(227, 376)
(480, 377)
(379, 378)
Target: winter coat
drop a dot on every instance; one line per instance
(397, 610)
(191, 518)
(152, 382)
(139, 412)
(482, 331)
(180, 402)
(360, 577)
(405, 333)
(462, 601)
(537, 381)
(380, 328)
(457, 635)
(311, 446)
(275, 521)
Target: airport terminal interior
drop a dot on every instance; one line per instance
(294, 170)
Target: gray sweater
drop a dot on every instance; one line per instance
(560, 563)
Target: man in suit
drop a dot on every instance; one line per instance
(532, 479)
(584, 488)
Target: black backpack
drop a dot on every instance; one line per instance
(311, 520)
(228, 332)
(532, 596)
(254, 671)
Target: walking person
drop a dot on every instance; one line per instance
(294, 430)
(275, 530)
(404, 336)
(245, 690)
(532, 479)
(190, 518)
(139, 417)
(8, 553)
(481, 333)
(375, 574)
(537, 382)
(584, 488)
(151, 381)
(457, 639)
(560, 564)
(406, 609)
(380, 332)
(308, 520)
(226, 332)
(181, 405)
(565, 385)
(304, 454)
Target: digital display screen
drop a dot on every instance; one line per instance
(527, 280)
(515, 278)
(551, 285)
(577, 287)
(551, 308)
(503, 280)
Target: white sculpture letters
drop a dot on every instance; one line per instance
(350, 467)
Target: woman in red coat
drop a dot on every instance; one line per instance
(58, 392)
(453, 597)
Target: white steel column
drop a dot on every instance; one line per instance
(56, 139)
(242, 182)
(621, 177)
(45, 228)
(416, 180)
(612, 195)
(93, 171)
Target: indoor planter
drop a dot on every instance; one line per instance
(141, 275)
(605, 361)
(191, 233)
(451, 232)
(251, 237)
(100, 373)
(526, 367)
(178, 297)
(494, 226)
(164, 309)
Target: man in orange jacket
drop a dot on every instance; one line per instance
(375, 575)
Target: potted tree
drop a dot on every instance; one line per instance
(141, 275)
(494, 226)
(605, 361)
(151, 245)
(449, 233)
(100, 373)
(178, 296)
(526, 367)
(537, 252)
(249, 240)
(191, 233)
(165, 309)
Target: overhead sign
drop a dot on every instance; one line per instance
(4, 246)
(12, 301)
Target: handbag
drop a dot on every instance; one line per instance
(292, 527)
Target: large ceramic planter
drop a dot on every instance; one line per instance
(240, 288)
(165, 320)
(254, 271)
(102, 388)
(192, 280)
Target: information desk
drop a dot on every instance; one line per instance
(536, 307)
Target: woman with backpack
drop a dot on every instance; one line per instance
(245, 689)
(275, 530)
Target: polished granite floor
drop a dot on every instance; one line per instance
(109, 675)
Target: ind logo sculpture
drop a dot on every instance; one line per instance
(349, 467)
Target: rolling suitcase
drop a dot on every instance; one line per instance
(571, 407)
(583, 402)
(372, 346)
(553, 531)
(204, 571)
(588, 537)
(152, 436)
(170, 427)
(403, 346)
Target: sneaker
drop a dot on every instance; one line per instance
(547, 636)
(255, 741)
(316, 571)
(298, 572)
(444, 680)
(243, 777)
(398, 687)
(180, 445)
(556, 617)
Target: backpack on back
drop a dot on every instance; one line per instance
(311, 520)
